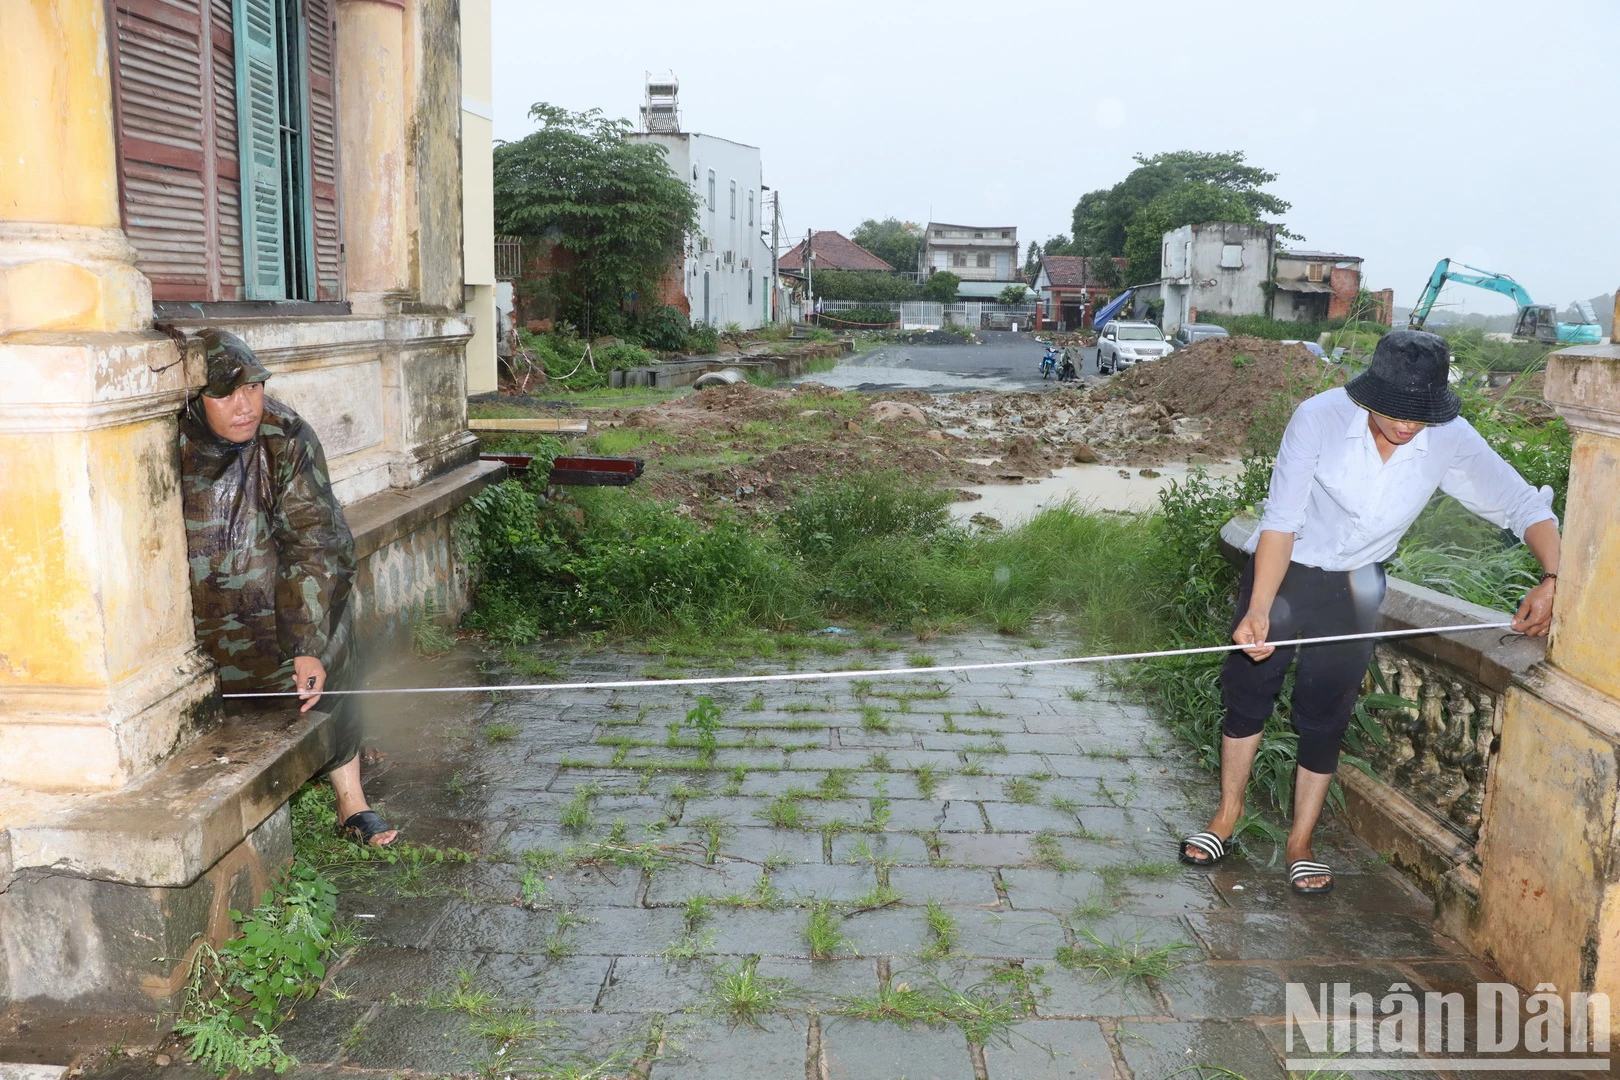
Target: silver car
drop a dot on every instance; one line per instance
(1122, 344)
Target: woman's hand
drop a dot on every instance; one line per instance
(1252, 630)
(1534, 617)
(309, 679)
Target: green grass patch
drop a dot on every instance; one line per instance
(1123, 961)
(823, 932)
(942, 931)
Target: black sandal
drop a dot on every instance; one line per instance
(1214, 848)
(366, 824)
(1306, 868)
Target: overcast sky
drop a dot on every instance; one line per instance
(1400, 131)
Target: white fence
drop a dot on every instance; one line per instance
(928, 315)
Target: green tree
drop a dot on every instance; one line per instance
(1185, 205)
(611, 201)
(1012, 294)
(894, 241)
(1032, 260)
(1167, 183)
(941, 287)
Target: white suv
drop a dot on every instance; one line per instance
(1122, 344)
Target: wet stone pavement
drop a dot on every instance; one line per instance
(956, 847)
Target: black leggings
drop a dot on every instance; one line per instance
(1310, 603)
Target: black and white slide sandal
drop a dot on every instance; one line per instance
(1214, 848)
(1305, 868)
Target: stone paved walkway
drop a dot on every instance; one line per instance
(1035, 812)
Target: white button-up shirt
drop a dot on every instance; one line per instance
(1347, 507)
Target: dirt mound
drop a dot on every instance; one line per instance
(894, 412)
(1022, 459)
(739, 395)
(1229, 382)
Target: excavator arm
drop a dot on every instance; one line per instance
(1483, 279)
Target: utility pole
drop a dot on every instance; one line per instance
(776, 221)
(810, 269)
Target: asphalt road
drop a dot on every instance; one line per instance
(1005, 361)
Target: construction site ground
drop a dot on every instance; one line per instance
(960, 416)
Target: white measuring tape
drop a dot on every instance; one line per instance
(802, 676)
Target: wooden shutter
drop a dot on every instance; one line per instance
(259, 149)
(228, 189)
(322, 142)
(164, 141)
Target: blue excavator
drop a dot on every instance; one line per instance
(1536, 322)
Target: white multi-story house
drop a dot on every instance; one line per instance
(726, 272)
(981, 255)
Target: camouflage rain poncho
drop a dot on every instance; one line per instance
(271, 556)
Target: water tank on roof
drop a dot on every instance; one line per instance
(659, 110)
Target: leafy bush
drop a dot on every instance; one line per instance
(866, 285)
(1012, 294)
(861, 317)
(664, 329)
(703, 339)
(253, 980)
(623, 356)
(941, 287)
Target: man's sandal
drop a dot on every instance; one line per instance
(366, 824)
(1214, 848)
(1304, 868)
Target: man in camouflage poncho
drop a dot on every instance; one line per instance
(271, 556)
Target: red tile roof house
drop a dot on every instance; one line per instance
(1067, 286)
(832, 251)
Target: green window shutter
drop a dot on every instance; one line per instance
(258, 117)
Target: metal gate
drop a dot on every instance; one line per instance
(921, 315)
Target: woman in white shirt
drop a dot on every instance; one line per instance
(1356, 467)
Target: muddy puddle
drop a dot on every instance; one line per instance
(1100, 487)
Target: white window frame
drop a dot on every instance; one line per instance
(734, 200)
(711, 191)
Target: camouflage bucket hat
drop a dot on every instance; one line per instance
(231, 364)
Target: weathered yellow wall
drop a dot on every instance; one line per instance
(1546, 843)
(60, 110)
(1588, 628)
(48, 594)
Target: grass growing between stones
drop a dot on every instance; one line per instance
(1123, 961)
(985, 1012)
(823, 932)
(741, 994)
(942, 929)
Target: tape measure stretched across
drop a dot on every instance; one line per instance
(806, 676)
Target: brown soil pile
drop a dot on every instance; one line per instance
(1229, 382)
(713, 407)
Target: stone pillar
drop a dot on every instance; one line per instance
(373, 105)
(99, 672)
(1550, 840)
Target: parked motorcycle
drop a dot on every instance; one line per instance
(1049, 362)
(1067, 372)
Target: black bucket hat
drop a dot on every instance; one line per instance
(1407, 379)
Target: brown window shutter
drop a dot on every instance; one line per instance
(319, 18)
(162, 92)
(228, 193)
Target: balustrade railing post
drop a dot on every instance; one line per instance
(1550, 849)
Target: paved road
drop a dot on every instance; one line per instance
(1034, 808)
(1005, 361)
